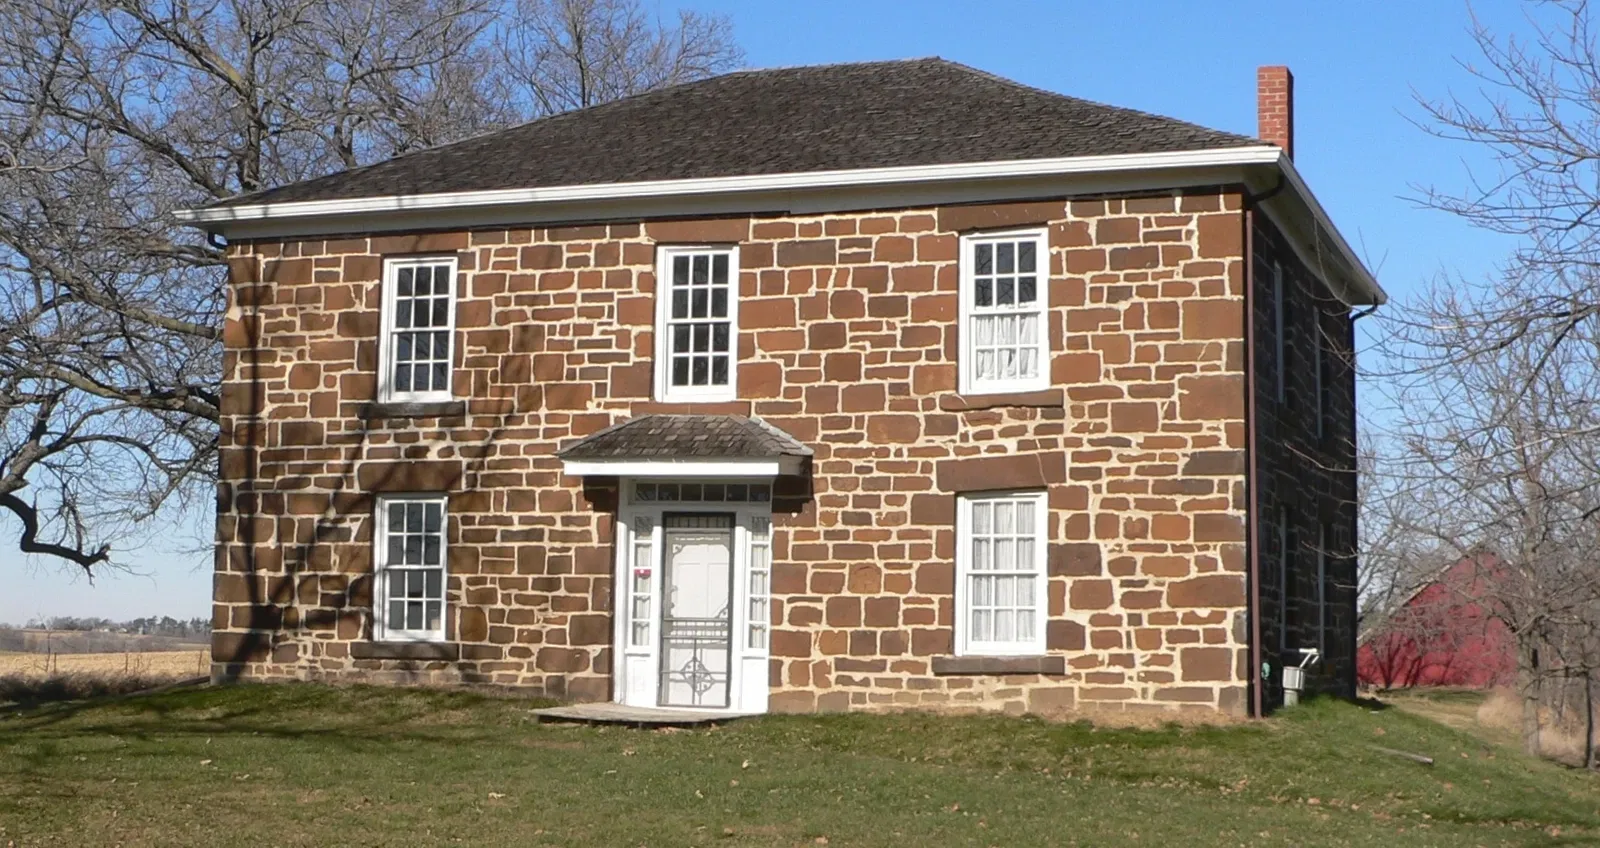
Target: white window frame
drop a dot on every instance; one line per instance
(965, 364)
(381, 631)
(664, 390)
(966, 646)
(1279, 313)
(387, 332)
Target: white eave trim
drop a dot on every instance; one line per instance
(507, 200)
(1258, 155)
(680, 468)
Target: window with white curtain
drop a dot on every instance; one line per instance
(1000, 574)
(418, 329)
(409, 564)
(1005, 343)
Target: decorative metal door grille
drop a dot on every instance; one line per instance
(696, 614)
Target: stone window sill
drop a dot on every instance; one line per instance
(999, 665)
(415, 409)
(405, 651)
(1041, 399)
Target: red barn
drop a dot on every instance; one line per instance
(1444, 635)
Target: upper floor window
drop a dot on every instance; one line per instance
(1000, 574)
(409, 565)
(417, 341)
(697, 323)
(1005, 343)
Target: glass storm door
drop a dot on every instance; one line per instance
(696, 610)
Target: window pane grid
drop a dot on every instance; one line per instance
(760, 576)
(699, 324)
(642, 588)
(419, 328)
(1002, 591)
(1005, 307)
(411, 567)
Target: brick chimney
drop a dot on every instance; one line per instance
(1275, 106)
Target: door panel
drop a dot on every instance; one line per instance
(696, 610)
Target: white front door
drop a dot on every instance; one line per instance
(693, 565)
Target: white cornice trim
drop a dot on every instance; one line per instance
(362, 213)
(717, 185)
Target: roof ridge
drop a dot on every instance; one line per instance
(1007, 81)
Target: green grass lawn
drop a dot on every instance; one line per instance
(317, 766)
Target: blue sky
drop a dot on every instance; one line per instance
(1357, 65)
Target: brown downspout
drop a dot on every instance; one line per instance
(1253, 515)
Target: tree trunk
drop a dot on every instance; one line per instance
(1588, 714)
(1529, 683)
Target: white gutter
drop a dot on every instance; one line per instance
(1258, 155)
(718, 185)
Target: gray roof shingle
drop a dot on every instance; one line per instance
(789, 120)
(687, 437)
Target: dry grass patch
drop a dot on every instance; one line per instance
(177, 664)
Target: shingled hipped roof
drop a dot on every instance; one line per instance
(789, 120)
(686, 437)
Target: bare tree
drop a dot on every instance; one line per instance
(115, 112)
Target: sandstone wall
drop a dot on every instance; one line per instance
(848, 341)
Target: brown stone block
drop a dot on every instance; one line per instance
(791, 643)
(1218, 527)
(934, 308)
(413, 476)
(936, 578)
(1216, 591)
(827, 336)
(1134, 258)
(1213, 318)
(933, 509)
(800, 701)
(894, 429)
(1075, 559)
(1205, 664)
(1064, 635)
(768, 312)
(551, 658)
(996, 215)
(1221, 463)
(815, 252)
(868, 397)
(593, 629)
(240, 647)
(1090, 594)
(882, 612)
(1189, 694)
(1221, 236)
(699, 231)
(1117, 231)
(931, 642)
(1211, 397)
(844, 612)
(1135, 417)
(287, 272)
(1018, 471)
(419, 243)
(1075, 368)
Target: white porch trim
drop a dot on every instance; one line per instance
(688, 468)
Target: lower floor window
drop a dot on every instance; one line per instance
(409, 565)
(1000, 573)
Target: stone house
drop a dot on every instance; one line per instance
(869, 385)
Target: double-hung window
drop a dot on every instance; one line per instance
(1000, 574)
(697, 323)
(1005, 342)
(419, 315)
(409, 566)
